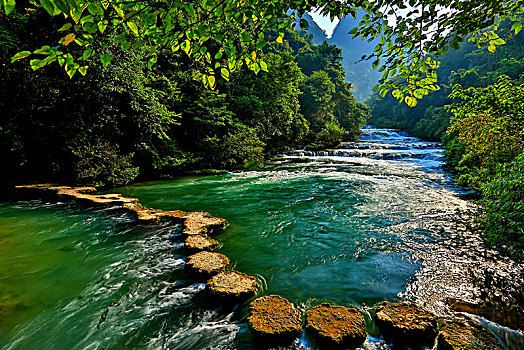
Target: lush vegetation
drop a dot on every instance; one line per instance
(129, 119)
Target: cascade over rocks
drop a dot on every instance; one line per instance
(206, 264)
(275, 317)
(233, 284)
(406, 323)
(459, 335)
(336, 326)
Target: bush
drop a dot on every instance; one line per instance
(503, 203)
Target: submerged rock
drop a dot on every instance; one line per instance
(233, 284)
(336, 326)
(458, 335)
(406, 323)
(206, 264)
(274, 317)
(201, 242)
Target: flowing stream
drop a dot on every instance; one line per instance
(375, 220)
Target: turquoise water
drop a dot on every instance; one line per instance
(378, 220)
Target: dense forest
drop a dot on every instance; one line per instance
(478, 116)
(130, 120)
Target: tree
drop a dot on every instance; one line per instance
(425, 28)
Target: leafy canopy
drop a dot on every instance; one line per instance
(409, 32)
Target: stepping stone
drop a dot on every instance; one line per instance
(199, 223)
(336, 326)
(274, 317)
(206, 264)
(201, 242)
(406, 323)
(458, 335)
(233, 284)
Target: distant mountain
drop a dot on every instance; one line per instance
(361, 74)
(319, 35)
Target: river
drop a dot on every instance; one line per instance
(375, 220)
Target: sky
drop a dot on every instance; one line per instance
(324, 23)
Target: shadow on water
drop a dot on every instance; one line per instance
(376, 220)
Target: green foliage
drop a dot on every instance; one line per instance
(490, 121)
(330, 136)
(485, 148)
(407, 41)
(503, 204)
(101, 163)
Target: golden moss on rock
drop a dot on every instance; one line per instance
(206, 264)
(458, 335)
(336, 326)
(198, 223)
(233, 284)
(275, 317)
(406, 323)
(200, 242)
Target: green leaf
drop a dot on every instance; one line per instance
(65, 27)
(83, 70)
(517, 26)
(261, 44)
(70, 72)
(152, 61)
(263, 66)
(87, 53)
(44, 50)
(106, 59)
(50, 7)
(225, 73)
(20, 55)
(35, 64)
(212, 81)
(9, 6)
(62, 6)
(411, 101)
(102, 25)
(133, 27)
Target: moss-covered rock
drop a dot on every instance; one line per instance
(232, 285)
(336, 326)
(459, 335)
(206, 264)
(199, 223)
(201, 242)
(274, 317)
(406, 323)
